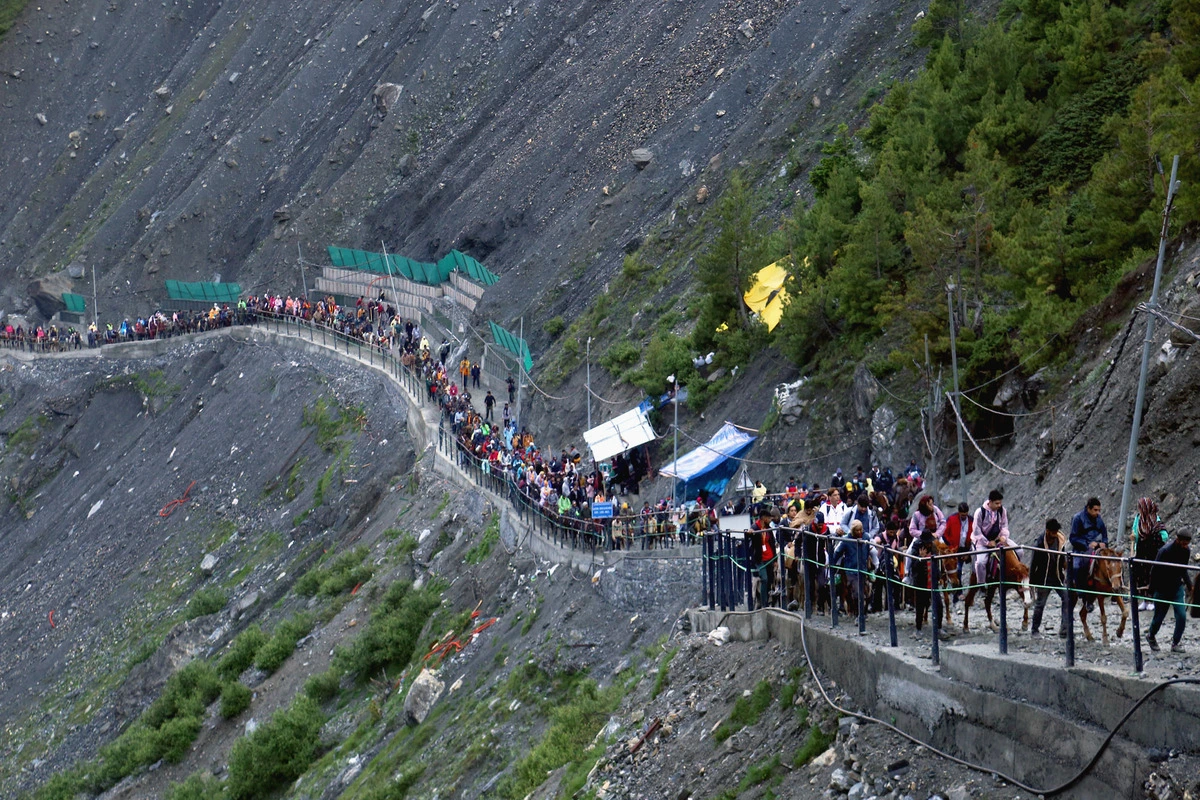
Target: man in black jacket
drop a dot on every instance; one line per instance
(1168, 577)
(1046, 573)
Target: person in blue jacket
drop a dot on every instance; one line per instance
(1088, 535)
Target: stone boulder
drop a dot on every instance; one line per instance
(386, 95)
(641, 157)
(422, 697)
(208, 564)
(864, 392)
(46, 293)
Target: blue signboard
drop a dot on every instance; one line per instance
(602, 510)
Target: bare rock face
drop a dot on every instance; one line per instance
(386, 96)
(423, 695)
(46, 293)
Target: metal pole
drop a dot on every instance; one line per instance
(300, 261)
(889, 590)
(931, 465)
(1135, 622)
(520, 377)
(675, 461)
(589, 382)
(387, 263)
(1003, 604)
(962, 464)
(935, 606)
(1152, 306)
(95, 304)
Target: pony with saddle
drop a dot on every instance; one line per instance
(1104, 577)
(1016, 576)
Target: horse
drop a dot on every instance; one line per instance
(949, 579)
(1016, 575)
(1105, 577)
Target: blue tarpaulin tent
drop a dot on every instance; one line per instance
(711, 465)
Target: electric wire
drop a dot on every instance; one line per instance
(967, 432)
(973, 401)
(1014, 369)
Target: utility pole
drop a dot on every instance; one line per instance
(1151, 307)
(95, 302)
(589, 381)
(675, 478)
(931, 465)
(962, 463)
(520, 373)
(300, 262)
(387, 263)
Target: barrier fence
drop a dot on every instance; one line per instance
(736, 577)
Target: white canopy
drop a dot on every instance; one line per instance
(619, 434)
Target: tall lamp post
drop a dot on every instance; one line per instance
(674, 382)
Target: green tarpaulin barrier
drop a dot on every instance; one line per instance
(204, 292)
(513, 344)
(416, 271)
(75, 303)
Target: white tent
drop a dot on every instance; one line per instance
(619, 434)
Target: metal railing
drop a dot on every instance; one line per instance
(735, 576)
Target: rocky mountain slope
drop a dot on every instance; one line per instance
(152, 142)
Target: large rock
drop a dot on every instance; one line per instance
(864, 392)
(884, 425)
(425, 691)
(641, 157)
(208, 564)
(46, 293)
(386, 96)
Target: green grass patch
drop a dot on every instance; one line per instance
(660, 680)
(9, 11)
(343, 573)
(332, 421)
(205, 602)
(27, 434)
(575, 718)
(277, 753)
(746, 711)
(483, 548)
(445, 501)
(814, 744)
(283, 642)
(755, 775)
(197, 787)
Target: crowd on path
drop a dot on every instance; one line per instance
(869, 524)
(895, 520)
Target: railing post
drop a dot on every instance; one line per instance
(748, 584)
(1003, 604)
(809, 574)
(889, 575)
(1069, 611)
(862, 601)
(1135, 622)
(833, 592)
(780, 571)
(935, 605)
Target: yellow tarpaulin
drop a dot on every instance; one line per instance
(768, 296)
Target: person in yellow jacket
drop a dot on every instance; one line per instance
(464, 369)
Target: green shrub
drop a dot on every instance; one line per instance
(483, 548)
(205, 602)
(620, 356)
(343, 573)
(197, 787)
(398, 788)
(746, 711)
(277, 753)
(235, 698)
(241, 653)
(660, 680)
(554, 326)
(62, 786)
(324, 686)
(573, 726)
(394, 631)
(283, 642)
(815, 744)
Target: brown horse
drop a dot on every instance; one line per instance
(1106, 577)
(949, 578)
(1016, 576)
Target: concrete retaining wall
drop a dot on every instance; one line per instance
(1035, 721)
